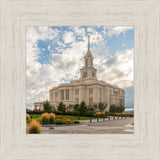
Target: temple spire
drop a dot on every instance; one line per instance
(88, 42)
(88, 54)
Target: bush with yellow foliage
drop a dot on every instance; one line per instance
(100, 114)
(28, 119)
(34, 127)
(45, 118)
(52, 118)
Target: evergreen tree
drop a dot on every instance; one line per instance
(76, 108)
(47, 107)
(61, 107)
(82, 107)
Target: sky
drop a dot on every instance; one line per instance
(56, 54)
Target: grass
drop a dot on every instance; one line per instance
(35, 116)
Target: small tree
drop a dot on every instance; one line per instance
(112, 108)
(102, 106)
(47, 107)
(61, 107)
(95, 106)
(82, 107)
(121, 109)
(76, 108)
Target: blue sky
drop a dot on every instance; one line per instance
(55, 55)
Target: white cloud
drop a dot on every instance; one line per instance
(117, 69)
(49, 47)
(110, 31)
(68, 37)
(80, 32)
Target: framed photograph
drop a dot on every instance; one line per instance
(79, 80)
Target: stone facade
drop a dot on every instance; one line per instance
(88, 88)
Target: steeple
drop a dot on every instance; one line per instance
(88, 71)
(88, 42)
(88, 54)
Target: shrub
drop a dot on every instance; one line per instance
(27, 116)
(59, 121)
(73, 113)
(45, 118)
(34, 127)
(100, 114)
(68, 121)
(39, 120)
(28, 119)
(89, 113)
(52, 118)
(76, 122)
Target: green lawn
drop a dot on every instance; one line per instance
(35, 116)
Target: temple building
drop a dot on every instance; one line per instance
(88, 88)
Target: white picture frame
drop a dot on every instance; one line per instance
(144, 144)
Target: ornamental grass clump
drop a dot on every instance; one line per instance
(52, 118)
(39, 120)
(28, 119)
(27, 116)
(34, 127)
(45, 118)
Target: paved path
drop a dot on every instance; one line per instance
(118, 126)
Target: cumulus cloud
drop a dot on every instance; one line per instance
(68, 37)
(110, 31)
(117, 69)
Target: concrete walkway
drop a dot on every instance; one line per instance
(117, 126)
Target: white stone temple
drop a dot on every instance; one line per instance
(88, 88)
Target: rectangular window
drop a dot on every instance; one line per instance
(90, 90)
(84, 74)
(121, 102)
(100, 91)
(93, 75)
(77, 92)
(90, 100)
(115, 92)
(67, 94)
(86, 62)
(62, 94)
(77, 100)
